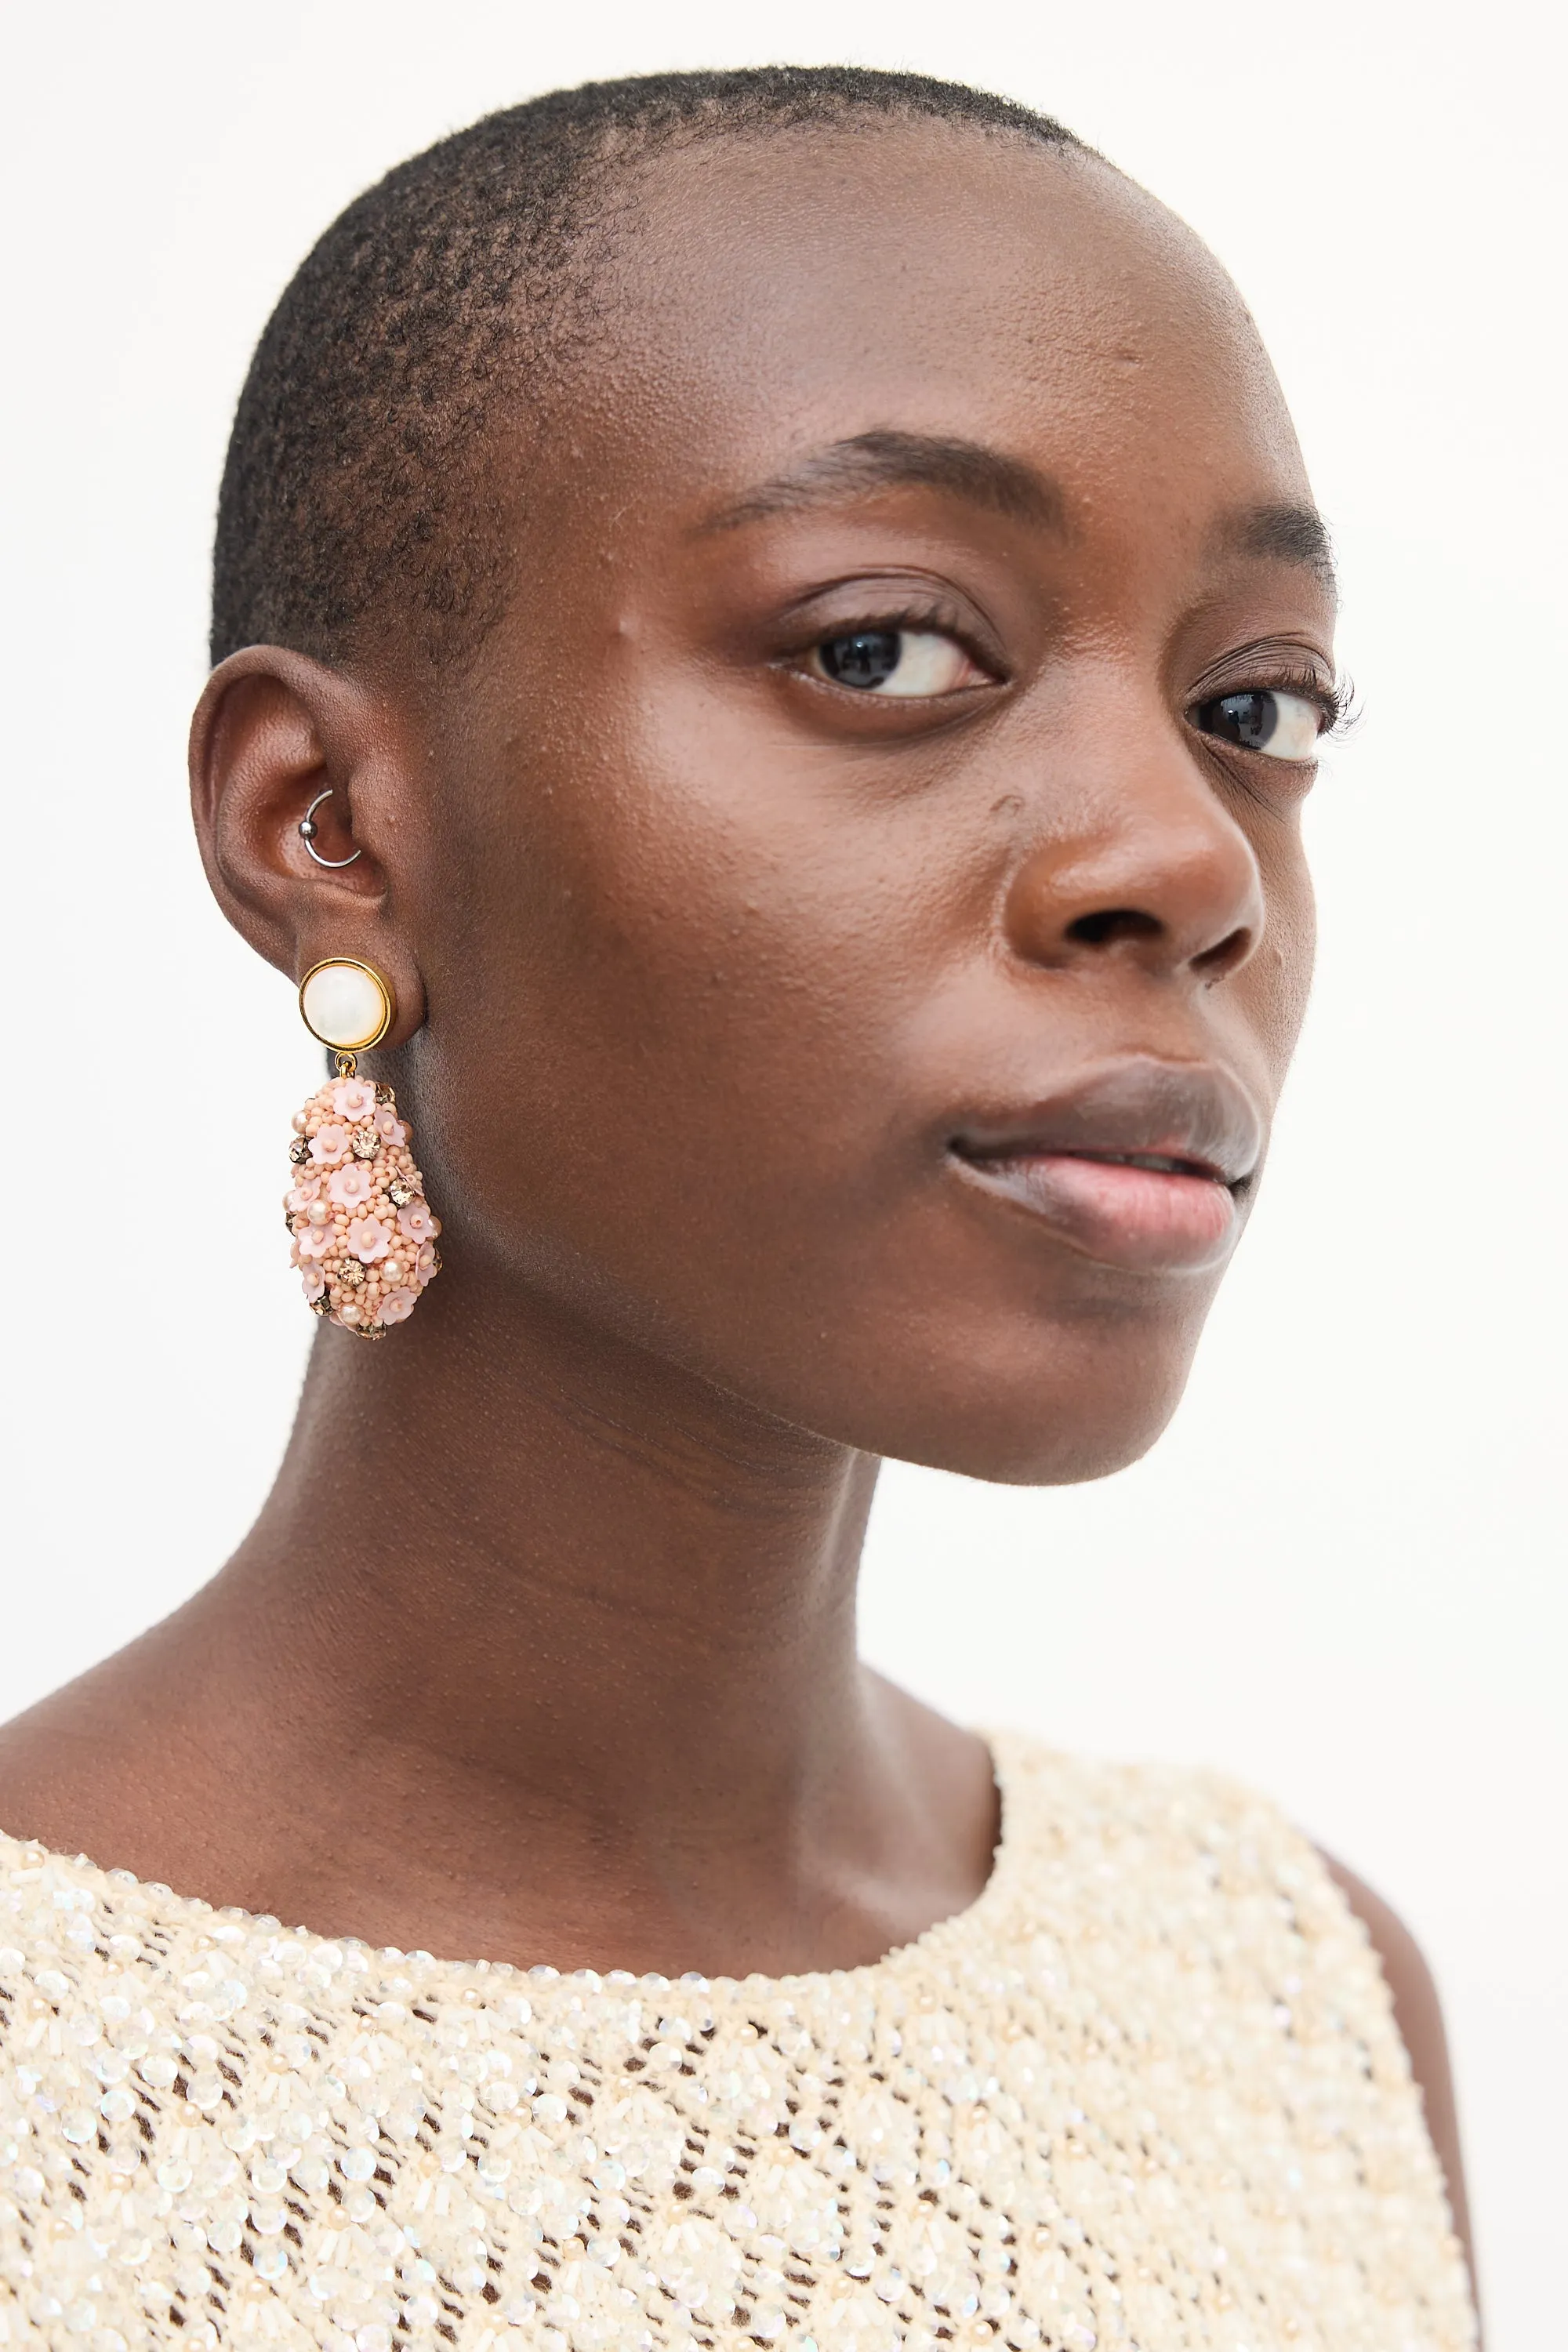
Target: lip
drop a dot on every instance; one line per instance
(1080, 1162)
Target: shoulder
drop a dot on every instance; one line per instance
(73, 1935)
(1212, 1872)
(1172, 1832)
(42, 1895)
(1164, 1825)
(1418, 2016)
(1189, 1861)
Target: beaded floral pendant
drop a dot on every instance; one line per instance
(363, 1235)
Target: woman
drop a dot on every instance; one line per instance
(771, 626)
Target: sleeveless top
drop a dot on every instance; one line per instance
(1145, 2093)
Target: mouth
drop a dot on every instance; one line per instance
(1143, 1165)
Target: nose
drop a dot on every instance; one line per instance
(1153, 870)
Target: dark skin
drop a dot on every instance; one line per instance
(745, 1016)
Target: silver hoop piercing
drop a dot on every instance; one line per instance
(308, 834)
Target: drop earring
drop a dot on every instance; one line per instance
(363, 1233)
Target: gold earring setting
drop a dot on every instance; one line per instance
(363, 1233)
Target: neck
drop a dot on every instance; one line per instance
(569, 1565)
(543, 1648)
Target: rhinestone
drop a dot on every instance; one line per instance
(350, 1123)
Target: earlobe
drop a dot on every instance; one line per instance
(346, 1004)
(294, 769)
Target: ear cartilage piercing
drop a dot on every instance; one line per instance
(362, 1234)
(308, 835)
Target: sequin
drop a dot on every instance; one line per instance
(1073, 2119)
(341, 1214)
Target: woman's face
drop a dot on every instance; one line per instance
(875, 822)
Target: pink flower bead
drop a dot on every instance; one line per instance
(352, 1099)
(338, 1208)
(369, 1238)
(330, 1145)
(351, 1186)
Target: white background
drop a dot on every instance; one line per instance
(1341, 1575)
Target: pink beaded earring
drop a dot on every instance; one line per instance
(363, 1236)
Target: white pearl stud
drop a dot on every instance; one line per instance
(346, 1004)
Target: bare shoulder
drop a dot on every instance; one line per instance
(102, 1767)
(1419, 2013)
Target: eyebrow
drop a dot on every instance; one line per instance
(1280, 530)
(886, 460)
(1284, 533)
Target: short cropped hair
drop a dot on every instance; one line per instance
(350, 503)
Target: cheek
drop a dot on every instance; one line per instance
(1280, 975)
(673, 980)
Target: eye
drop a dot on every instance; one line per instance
(1281, 726)
(895, 662)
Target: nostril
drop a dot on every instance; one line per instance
(1226, 955)
(1114, 923)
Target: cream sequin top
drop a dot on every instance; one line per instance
(1145, 2094)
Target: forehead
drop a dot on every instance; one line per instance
(766, 296)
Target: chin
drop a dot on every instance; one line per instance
(1018, 1450)
(1062, 1415)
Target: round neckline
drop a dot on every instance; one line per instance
(192, 1912)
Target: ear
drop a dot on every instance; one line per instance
(272, 730)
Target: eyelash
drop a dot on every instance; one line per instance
(941, 619)
(1336, 702)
